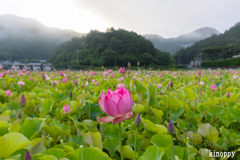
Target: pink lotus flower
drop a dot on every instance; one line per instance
(75, 82)
(122, 70)
(8, 93)
(93, 81)
(66, 109)
(117, 104)
(12, 76)
(20, 83)
(121, 85)
(23, 70)
(61, 74)
(87, 75)
(65, 80)
(112, 75)
(213, 87)
(96, 83)
(109, 71)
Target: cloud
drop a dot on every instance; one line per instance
(167, 18)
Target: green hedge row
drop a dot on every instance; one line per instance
(222, 62)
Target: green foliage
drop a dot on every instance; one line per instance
(215, 47)
(107, 49)
(222, 63)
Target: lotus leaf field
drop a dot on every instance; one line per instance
(57, 115)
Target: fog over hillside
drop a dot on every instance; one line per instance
(172, 45)
(28, 37)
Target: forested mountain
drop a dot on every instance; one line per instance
(107, 48)
(215, 47)
(172, 45)
(27, 39)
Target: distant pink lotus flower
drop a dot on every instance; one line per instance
(112, 75)
(12, 76)
(31, 78)
(75, 82)
(105, 73)
(159, 86)
(96, 83)
(66, 109)
(23, 70)
(122, 70)
(56, 72)
(121, 79)
(213, 87)
(109, 71)
(61, 74)
(117, 104)
(20, 83)
(8, 93)
(77, 76)
(86, 74)
(65, 80)
(121, 85)
(93, 81)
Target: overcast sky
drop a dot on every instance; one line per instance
(168, 18)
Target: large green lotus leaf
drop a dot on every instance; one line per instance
(213, 101)
(227, 119)
(93, 138)
(46, 107)
(154, 127)
(214, 111)
(55, 122)
(151, 96)
(38, 148)
(158, 113)
(90, 123)
(204, 153)
(77, 140)
(3, 130)
(232, 98)
(127, 152)
(176, 113)
(48, 157)
(182, 124)
(209, 132)
(152, 153)
(178, 151)
(111, 145)
(54, 131)
(161, 140)
(58, 153)
(194, 138)
(88, 154)
(112, 131)
(31, 127)
(189, 113)
(11, 142)
(14, 128)
(138, 108)
(92, 109)
(190, 93)
(131, 139)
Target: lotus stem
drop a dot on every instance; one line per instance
(120, 141)
(69, 124)
(135, 143)
(172, 149)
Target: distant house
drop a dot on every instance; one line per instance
(48, 67)
(26, 67)
(196, 63)
(17, 66)
(7, 64)
(35, 66)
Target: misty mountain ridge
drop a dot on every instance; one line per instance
(172, 45)
(26, 38)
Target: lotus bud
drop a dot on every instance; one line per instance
(70, 94)
(22, 101)
(171, 84)
(160, 93)
(199, 72)
(88, 79)
(137, 120)
(171, 129)
(167, 87)
(28, 156)
(75, 82)
(228, 94)
(129, 64)
(43, 77)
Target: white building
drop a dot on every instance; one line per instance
(196, 63)
(35, 66)
(48, 67)
(17, 66)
